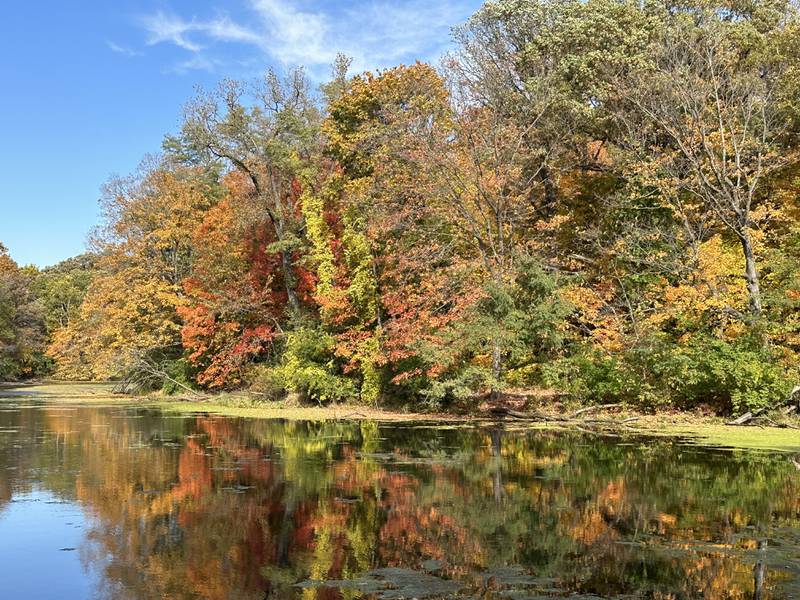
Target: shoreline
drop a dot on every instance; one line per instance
(703, 430)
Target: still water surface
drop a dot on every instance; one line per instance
(121, 502)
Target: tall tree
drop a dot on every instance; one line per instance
(60, 289)
(710, 115)
(270, 137)
(128, 323)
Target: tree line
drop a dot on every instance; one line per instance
(598, 197)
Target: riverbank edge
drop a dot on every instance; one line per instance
(698, 429)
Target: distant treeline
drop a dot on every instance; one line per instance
(600, 197)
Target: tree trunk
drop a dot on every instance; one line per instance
(751, 273)
(548, 208)
(497, 350)
(497, 363)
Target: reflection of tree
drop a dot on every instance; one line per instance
(223, 508)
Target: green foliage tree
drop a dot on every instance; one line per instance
(22, 327)
(60, 289)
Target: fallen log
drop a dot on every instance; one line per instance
(612, 421)
(745, 418)
(503, 412)
(787, 407)
(353, 414)
(759, 414)
(594, 408)
(775, 424)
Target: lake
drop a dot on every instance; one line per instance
(118, 501)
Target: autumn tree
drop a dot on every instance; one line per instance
(529, 77)
(487, 179)
(128, 324)
(236, 309)
(22, 331)
(381, 248)
(269, 136)
(710, 113)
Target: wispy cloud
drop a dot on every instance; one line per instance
(124, 50)
(164, 27)
(224, 29)
(403, 31)
(294, 36)
(197, 62)
(375, 33)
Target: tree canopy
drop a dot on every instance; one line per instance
(598, 197)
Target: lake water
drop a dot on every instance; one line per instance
(121, 502)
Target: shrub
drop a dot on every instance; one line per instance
(179, 372)
(309, 369)
(594, 377)
(735, 376)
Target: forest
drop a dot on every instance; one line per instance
(599, 198)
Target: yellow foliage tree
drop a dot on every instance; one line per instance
(129, 318)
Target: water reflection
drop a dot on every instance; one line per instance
(211, 507)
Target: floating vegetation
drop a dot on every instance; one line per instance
(392, 583)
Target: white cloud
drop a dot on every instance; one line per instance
(124, 50)
(163, 27)
(406, 31)
(225, 30)
(197, 62)
(375, 33)
(294, 36)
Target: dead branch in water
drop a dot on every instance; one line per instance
(787, 407)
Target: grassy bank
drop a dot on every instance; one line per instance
(78, 392)
(241, 406)
(234, 405)
(700, 429)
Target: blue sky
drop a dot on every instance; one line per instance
(89, 87)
